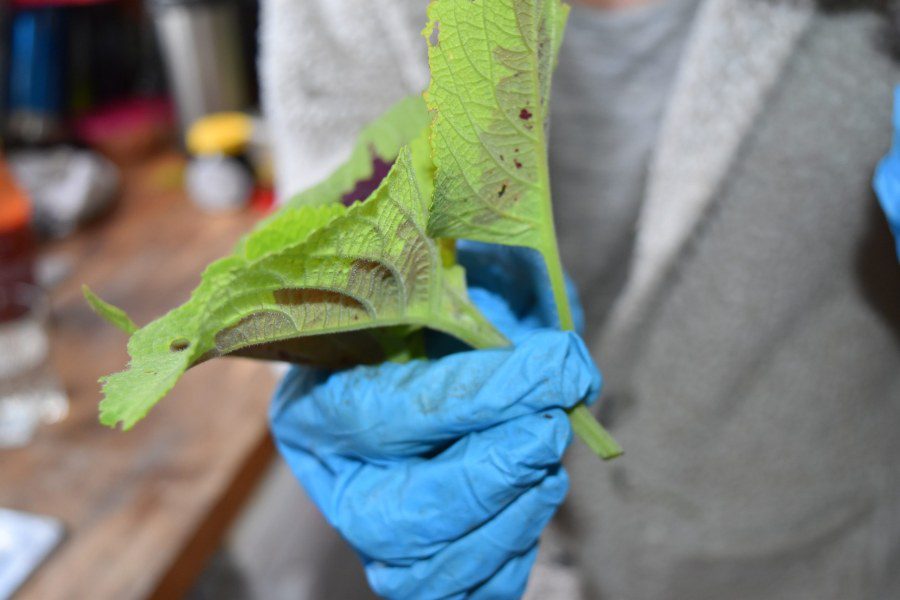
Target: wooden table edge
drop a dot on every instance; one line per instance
(188, 564)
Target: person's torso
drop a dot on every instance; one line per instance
(615, 71)
(760, 406)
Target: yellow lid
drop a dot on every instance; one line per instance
(220, 133)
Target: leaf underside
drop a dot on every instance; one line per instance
(491, 65)
(347, 293)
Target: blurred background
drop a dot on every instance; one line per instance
(133, 155)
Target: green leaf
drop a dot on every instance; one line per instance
(350, 291)
(377, 145)
(323, 284)
(491, 66)
(116, 316)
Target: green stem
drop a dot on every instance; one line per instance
(592, 433)
(558, 284)
(585, 425)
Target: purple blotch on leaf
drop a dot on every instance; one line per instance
(365, 187)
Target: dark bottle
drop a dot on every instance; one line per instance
(17, 244)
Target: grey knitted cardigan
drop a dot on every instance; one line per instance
(752, 360)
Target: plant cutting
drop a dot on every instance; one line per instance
(353, 270)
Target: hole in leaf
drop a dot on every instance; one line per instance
(434, 39)
(179, 345)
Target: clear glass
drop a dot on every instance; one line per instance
(30, 394)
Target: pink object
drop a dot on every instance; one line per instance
(55, 3)
(123, 119)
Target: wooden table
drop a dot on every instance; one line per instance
(143, 509)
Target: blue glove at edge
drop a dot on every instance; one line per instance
(887, 177)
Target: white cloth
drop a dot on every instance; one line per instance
(328, 69)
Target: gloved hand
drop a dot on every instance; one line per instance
(442, 474)
(887, 177)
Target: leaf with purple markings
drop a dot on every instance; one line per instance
(347, 292)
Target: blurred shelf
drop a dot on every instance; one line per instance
(143, 509)
(20, 4)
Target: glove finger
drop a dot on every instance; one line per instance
(475, 558)
(510, 581)
(401, 410)
(411, 511)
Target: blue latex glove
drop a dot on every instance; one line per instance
(442, 474)
(887, 177)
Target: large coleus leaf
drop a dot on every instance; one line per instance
(491, 67)
(355, 282)
(492, 63)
